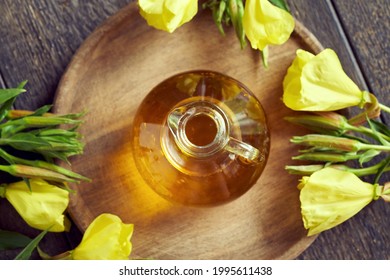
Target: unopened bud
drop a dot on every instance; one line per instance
(236, 12)
(327, 141)
(386, 192)
(31, 172)
(326, 157)
(322, 122)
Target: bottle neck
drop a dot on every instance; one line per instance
(200, 128)
(190, 121)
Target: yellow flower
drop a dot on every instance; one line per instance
(319, 83)
(265, 24)
(168, 14)
(106, 238)
(330, 197)
(42, 207)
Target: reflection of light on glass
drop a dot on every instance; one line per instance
(188, 83)
(143, 201)
(250, 127)
(149, 135)
(153, 160)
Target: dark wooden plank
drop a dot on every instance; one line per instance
(37, 41)
(2, 84)
(321, 19)
(39, 37)
(368, 35)
(365, 236)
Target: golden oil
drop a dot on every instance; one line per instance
(200, 138)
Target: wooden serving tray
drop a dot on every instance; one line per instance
(109, 76)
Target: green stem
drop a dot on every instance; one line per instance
(306, 170)
(384, 108)
(367, 171)
(367, 131)
(41, 164)
(374, 147)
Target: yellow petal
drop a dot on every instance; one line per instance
(330, 197)
(41, 208)
(167, 15)
(319, 83)
(265, 24)
(106, 238)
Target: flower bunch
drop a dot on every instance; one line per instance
(262, 22)
(106, 238)
(30, 142)
(331, 190)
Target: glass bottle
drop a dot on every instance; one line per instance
(200, 138)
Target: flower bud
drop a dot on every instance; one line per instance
(266, 24)
(322, 122)
(167, 15)
(235, 9)
(303, 169)
(319, 83)
(327, 141)
(106, 238)
(15, 114)
(330, 196)
(32, 172)
(42, 207)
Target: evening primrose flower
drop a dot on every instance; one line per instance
(319, 83)
(106, 238)
(42, 207)
(168, 15)
(265, 24)
(330, 196)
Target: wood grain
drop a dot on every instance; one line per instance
(110, 79)
(38, 39)
(367, 37)
(365, 236)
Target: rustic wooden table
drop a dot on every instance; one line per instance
(39, 37)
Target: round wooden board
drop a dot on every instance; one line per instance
(110, 75)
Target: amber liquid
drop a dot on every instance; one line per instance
(201, 130)
(185, 179)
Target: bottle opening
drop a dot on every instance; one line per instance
(201, 129)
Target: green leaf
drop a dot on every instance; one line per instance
(40, 111)
(376, 132)
(22, 84)
(12, 240)
(9, 93)
(382, 169)
(367, 156)
(24, 141)
(27, 251)
(380, 127)
(5, 107)
(27, 181)
(8, 104)
(280, 4)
